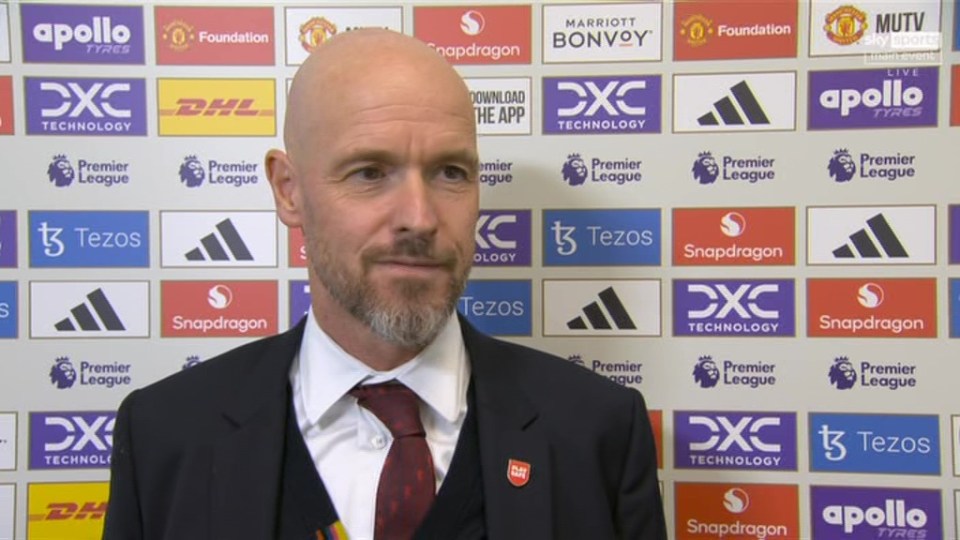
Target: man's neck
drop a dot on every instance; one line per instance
(359, 341)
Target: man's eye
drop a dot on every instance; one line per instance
(452, 172)
(369, 173)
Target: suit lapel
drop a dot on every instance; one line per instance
(248, 462)
(507, 427)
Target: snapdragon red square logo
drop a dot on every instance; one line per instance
(6, 105)
(220, 36)
(867, 307)
(476, 34)
(218, 308)
(733, 236)
(740, 511)
(296, 250)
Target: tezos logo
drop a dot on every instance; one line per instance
(62, 173)
(576, 172)
(707, 374)
(843, 167)
(706, 170)
(107, 375)
(609, 237)
(875, 443)
(193, 172)
(498, 307)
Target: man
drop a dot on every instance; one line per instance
(282, 438)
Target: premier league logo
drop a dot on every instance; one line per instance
(842, 374)
(60, 171)
(191, 172)
(705, 169)
(842, 167)
(575, 170)
(192, 361)
(705, 373)
(62, 373)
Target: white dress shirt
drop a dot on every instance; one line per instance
(347, 442)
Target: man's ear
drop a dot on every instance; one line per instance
(286, 188)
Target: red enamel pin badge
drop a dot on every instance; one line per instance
(518, 472)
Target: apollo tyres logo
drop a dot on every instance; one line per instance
(218, 308)
(82, 34)
(588, 308)
(502, 105)
(6, 105)
(875, 235)
(707, 30)
(66, 510)
(611, 237)
(476, 34)
(734, 102)
(866, 307)
(503, 238)
(737, 511)
(109, 239)
(498, 307)
(733, 236)
(216, 107)
(874, 28)
(624, 32)
(8, 309)
(879, 374)
(873, 98)
(8, 238)
(214, 35)
(71, 439)
(861, 513)
(308, 28)
(85, 106)
(875, 443)
(71, 310)
(740, 440)
(594, 105)
(733, 307)
(218, 239)
(8, 442)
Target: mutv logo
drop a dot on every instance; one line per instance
(476, 34)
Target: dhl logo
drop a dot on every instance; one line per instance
(216, 107)
(60, 511)
(66, 510)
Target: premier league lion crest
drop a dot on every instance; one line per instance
(705, 168)
(192, 361)
(842, 167)
(191, 171)
(575, 170)
(842, 374)
(62, 373)
(60, 171)
(705, 373)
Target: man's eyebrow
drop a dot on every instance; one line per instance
(362, 154)
(464, 156)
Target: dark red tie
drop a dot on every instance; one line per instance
(407, 484)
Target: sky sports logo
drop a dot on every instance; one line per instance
(78, 309)
(734, 102)
(71, 439)
(589, 308)
(733, 307)
(476, 34)
(865, 307)
(875, 443)
(218, 308)
(85, 106)
(88, 239)
(8, 238)
(216, 107)
(66, 510)
(712, 31)
(595, 105)
(737, 511)
(733, 236)
(869, 513)
(72, 34)
(503, 238)
(735, 440)
(8, 310)
(625, 32)
(214, 35)
(873, 98)
(308, 28)
(613, 237)
(874, 235)
(498, 307)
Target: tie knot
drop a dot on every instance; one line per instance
(394, 404)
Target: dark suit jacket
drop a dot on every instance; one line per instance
(198, 454)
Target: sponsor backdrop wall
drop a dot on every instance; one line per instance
(747, 210)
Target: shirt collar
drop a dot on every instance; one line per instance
(438, 375)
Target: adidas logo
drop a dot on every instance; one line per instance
(214, 248)
(598, 320)
(85, 320)
(728, 111)
(869, 248)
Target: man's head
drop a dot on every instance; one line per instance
(380, 172)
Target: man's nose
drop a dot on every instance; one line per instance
(416, 204)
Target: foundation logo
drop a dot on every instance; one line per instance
(8, 310)
(954, 307)
(624, 373)
(86, 239)
(195, 172)
(214, 35)
(6, 103)
(4, 57)
(592, 105)
(476, 34)
(737, 511)
(873, 98)
(872, 308)
(216, 107)
(8, 443)
(734, 102)
(575, 171)
(8, 238)
(82, 34)
(875, 443)
(218, 309)
(503, 238)
(308, 28)
(625, 32)
(64, 374)
(616, 308)
(860, 513)
(218, 239)
(498, 307)
(610, 237)
(66, 510)
(70, 310)
(502, 105)
(733, 307)
(735, 440)
(71, 440)
(85, 106)
(715, 31)
(706, 170)
(708, 374)
(874, 28)
(875, 235)
(733, 236)
(299, 300)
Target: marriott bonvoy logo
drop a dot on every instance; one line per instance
(872, 307)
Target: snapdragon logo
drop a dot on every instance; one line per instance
(843, 167)
(870, 295)
(472, 23)
(624, 373)
(712, 510)
(708, 374)
(875, 512)
(62, 173)
(193, 172)
(706, 169)
(622, 171)
(219, 297)
(63, 374)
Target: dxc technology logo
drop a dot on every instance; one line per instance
(86, 106)
(610, 237)
(71, 440)
(498, 307)
(503, 238)
(590, 105)
(89, 239)
(875, 443)
(623, 171)
(733, 307)
(735, 440)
